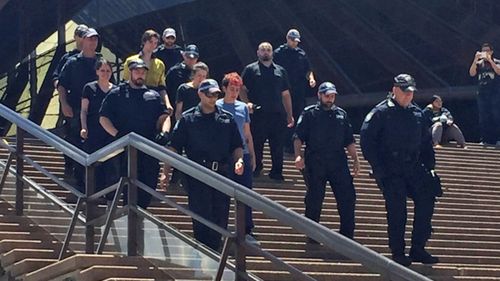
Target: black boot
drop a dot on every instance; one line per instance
(421, 255)
(402, 259)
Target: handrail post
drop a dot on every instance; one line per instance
(19, 171)
(241, 266)
(90, 208)
(132, 220)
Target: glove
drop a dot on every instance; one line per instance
(162, 138)
(443, 119)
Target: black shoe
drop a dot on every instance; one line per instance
(257, 172)
(402, 259)
(421, 255)
(277, 177)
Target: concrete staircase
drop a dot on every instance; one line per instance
(466, 227)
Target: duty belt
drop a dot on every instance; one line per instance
(212, 165)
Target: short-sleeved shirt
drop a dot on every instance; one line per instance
(188, 95)
(487, 78)
(265, 86)
(241, 116)
(176, 75)
(209, 137)
(155, 77)
(134, 110)
(297, 65)
(326, 132)
(97, 136)
(77, 72)
(169, 56)
(62, 62)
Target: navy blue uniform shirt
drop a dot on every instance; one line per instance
(297, 65)
(395, 140)
(325, 132)
(169, 57)
(210, 137)
(77, 72)
(176, 75)
(134, 110)
(62, 62)
(265, 86)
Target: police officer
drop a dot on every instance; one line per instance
(396, 142)
(210, 137)
(296, 63)
(326, 131)
(134, 108)
(266, 85)
(77, 71)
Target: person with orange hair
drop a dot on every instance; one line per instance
(231, 86)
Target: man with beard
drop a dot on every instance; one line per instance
(169, 52)
(266, 85)
(326, 131)
(132, 107)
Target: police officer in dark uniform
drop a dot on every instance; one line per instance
(77, 71)
(210, 137)
(134, 108)
(326, 131)
(295, 61)
(396, 142)
(266, 85)
(181, 72)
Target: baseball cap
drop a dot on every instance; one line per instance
(90, 32)
(137, 63)
(405, 82)
(80, 30)
(327, 88)
(191, 51)
(209, 86)
(293, 34)
(169, 32)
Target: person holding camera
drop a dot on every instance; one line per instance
(443, 127)
(487, 69)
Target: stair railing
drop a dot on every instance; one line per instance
(241, 195)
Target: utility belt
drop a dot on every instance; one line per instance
(216, 166)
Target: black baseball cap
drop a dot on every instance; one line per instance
(327, 88)
(191, 51)
(405, 82)
(209, 86)
(137, 63)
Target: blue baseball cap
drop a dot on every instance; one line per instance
(405, 82)
(209, 86)
(327, 88)
(293, 34)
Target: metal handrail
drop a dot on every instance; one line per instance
(351, 249)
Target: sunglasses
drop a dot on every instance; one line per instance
(212, 95)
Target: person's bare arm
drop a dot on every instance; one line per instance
(83, 118)
(351, 150)
(108, 126)
(63, 100)
(287, 103)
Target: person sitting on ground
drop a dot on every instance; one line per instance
(443, 127)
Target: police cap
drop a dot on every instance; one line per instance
(327, 88)
(405, 82)
(209, 86)
(137, 63)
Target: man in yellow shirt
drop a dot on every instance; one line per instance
(155, 77)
